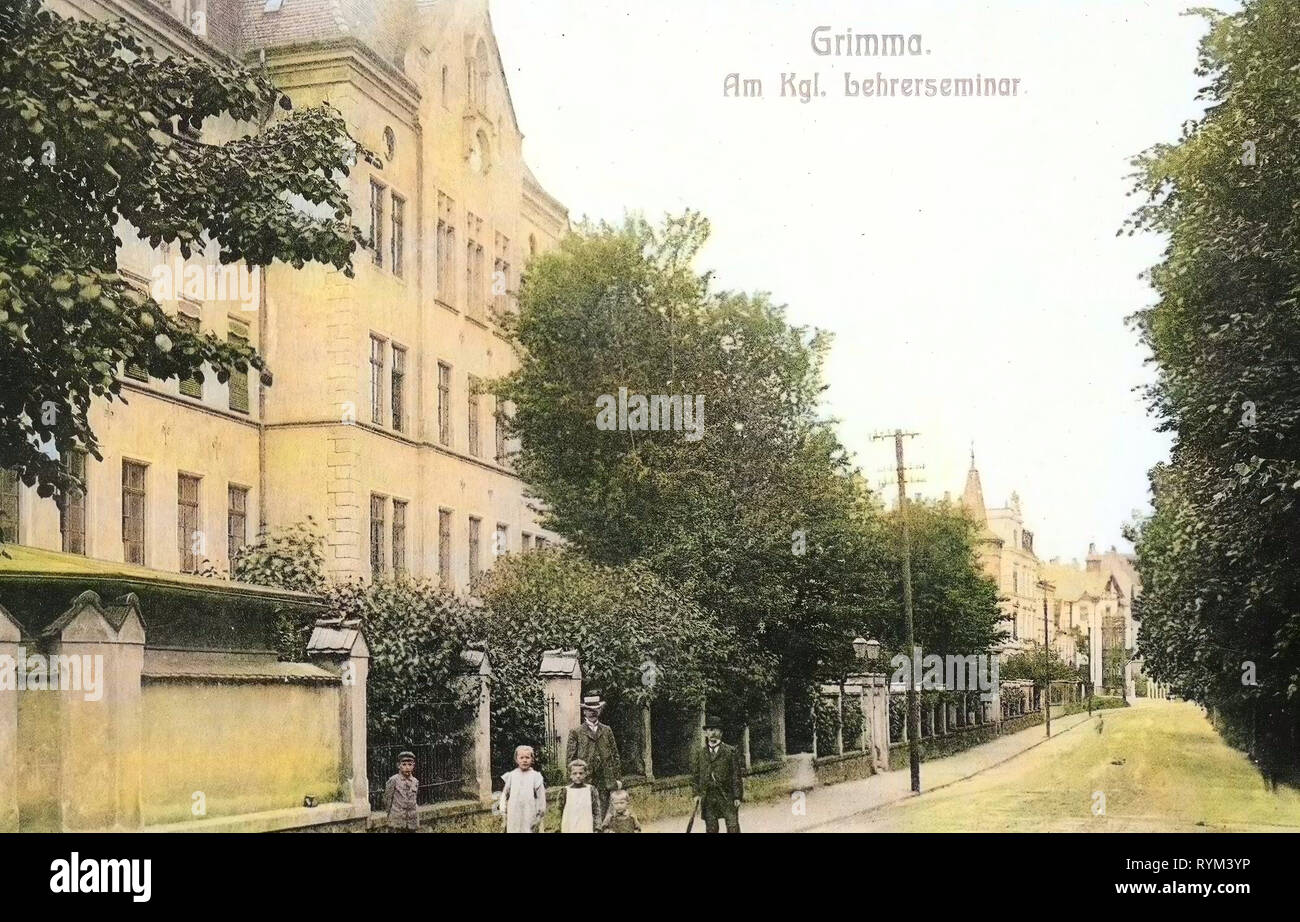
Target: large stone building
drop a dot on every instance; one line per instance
(1006, 552)
(1089, 613)
(374, 425)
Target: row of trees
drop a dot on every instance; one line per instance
(761, 521)
(1220, 606)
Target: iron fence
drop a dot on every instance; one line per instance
(437, 733)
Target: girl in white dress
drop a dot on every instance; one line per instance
(523, 801)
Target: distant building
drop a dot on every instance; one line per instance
(1006, 552)
(1089, 609)
(1098, 599)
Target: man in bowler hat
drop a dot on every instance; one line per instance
(715, 779)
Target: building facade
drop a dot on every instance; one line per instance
(1089, 607)
(376, 425)
(1006, 553)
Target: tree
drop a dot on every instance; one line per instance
(1220, 607)
(97, 139)
(756, 514)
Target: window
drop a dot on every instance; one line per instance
(475, 527)
(133, 511)
(190, 387)
(72, 506)
(472, 415)
(9, 496)
(502, 545)
(399, 536)
(376, 380)
(444, 403)
(189, 537)
(525, 542)
(501, 290)
(446, 243)
(474, 277)
(377, 221)
(479, 74)
(398, 387)
(399, 233)
(236, 520)
(499, 421)
(444, 547)
(377, 558)
(539, 542)
(238, 335)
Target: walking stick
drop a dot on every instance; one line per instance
(694, 810)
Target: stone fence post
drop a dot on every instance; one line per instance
(340, 647)
(561, 674)
(478, 755)
(98, 720)
(10, 636)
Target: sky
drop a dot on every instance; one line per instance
(963, 251)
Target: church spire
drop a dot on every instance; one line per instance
(972, 499)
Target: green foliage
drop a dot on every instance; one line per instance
(618, 618)
(1221, 588)
(96, 135)
(1029, 664)
(955, 606)
(826, 713)
(761, 521)
(418, 633)
(293, 558)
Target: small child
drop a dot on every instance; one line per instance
(579, 802)
(523, 801)
(621, 818)
(401, 795)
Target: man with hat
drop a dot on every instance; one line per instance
(715, 779)
(401, 795)
(593, 742)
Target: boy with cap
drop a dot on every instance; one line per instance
(401, 795)
(715, 779)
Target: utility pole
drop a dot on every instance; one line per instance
(913, 698)
(1047, 659)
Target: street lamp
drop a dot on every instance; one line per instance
(868, 650)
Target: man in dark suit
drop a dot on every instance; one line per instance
(593, 742)
(715, 779)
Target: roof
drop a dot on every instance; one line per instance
(560, 663)
(334, 636)
(175, 665)
(37, 587)
(29, 563)
(382, 25)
